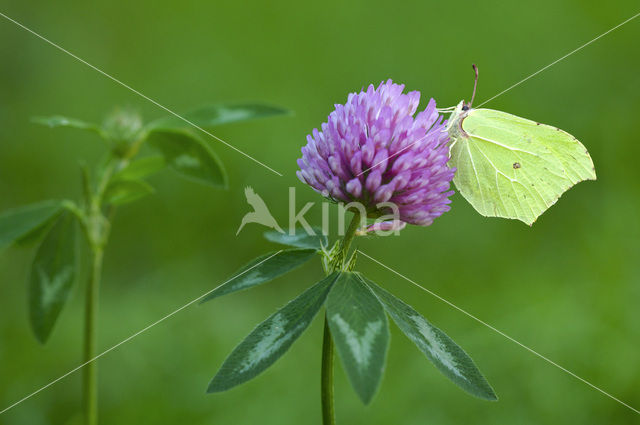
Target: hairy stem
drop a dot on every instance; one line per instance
(97, 228)
(349, 235)
(326, 378)
(90, 377)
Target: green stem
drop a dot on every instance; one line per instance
(328, 413)
(90, 377)
(350, 233)
(326, 384)
(97, 228)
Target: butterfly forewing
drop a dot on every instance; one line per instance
(512, 167)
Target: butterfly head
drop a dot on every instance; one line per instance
(454, 123)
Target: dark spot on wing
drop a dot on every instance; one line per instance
(516, 165)
(537, 123)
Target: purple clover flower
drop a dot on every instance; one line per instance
(372, 150)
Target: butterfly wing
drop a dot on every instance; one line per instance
(512, 167)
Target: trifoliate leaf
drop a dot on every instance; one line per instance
(60, 121)
(360, 330)
(300, 238)
(271, 338)
(263, 269)
(52, 276)
(189, 156)
(18, 223)
(213, 115)
(445, 354)
(124, 191)
(141, 168)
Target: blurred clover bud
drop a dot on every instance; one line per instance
(124, 128)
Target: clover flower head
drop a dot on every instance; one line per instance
(373, 150)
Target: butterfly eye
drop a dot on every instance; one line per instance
(465, 107)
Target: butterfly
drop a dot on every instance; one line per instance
(512, 167)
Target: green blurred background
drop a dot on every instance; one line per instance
(569, 287)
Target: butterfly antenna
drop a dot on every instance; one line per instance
(475, 84)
